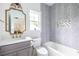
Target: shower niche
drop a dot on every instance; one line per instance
(15, 20)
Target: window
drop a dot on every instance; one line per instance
(35, 20)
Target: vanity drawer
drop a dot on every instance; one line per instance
(24, 52)
(13, 47)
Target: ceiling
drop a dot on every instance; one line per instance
(49, 4)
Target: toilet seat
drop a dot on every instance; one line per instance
(41, 51)
(38, 50)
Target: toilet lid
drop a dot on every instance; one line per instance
(42, 50)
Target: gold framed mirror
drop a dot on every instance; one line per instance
(15, 19)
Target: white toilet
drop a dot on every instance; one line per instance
(40, 51)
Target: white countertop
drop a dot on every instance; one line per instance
(12, 41)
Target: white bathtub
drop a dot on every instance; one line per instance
(56, 49)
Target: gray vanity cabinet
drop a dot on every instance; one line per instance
(23, 52)
(16, 49)
(10, 54)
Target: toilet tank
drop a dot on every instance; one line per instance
(36, 42)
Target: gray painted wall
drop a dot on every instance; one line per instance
(45, 21)
(65, 24)
(52, 22)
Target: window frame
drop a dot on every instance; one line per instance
(39, 20)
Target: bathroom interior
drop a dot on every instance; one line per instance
(39, 29)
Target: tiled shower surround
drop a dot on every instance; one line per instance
(63, 23)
